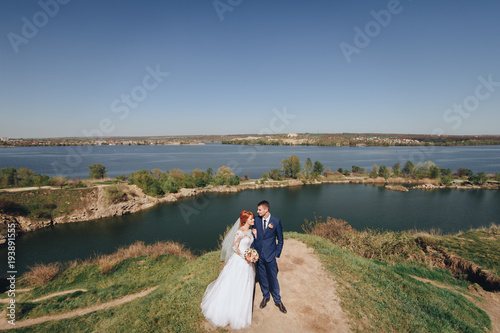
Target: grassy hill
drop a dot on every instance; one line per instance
(379, 290)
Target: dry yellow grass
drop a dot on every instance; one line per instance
(42, 273)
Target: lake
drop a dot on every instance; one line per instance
(197, 222)
(73, 162)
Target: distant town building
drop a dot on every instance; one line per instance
(292, 135)
(4, 139)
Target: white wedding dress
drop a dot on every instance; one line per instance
(228, 300)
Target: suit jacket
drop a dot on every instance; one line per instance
(269, 242)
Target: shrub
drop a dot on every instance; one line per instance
(97, 171)
(115, 194)
(275, 174)
(12, 208)
(234, 180)
(265, 176)
(42, 273)
(371, 244)
(446, 180)
(121, 178)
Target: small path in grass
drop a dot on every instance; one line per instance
(308, 293)
(79, 312)
(58, 294)
(490, 301)
(7, 300)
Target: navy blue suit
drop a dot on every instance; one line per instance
(269, 243)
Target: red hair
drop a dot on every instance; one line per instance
(244, 216)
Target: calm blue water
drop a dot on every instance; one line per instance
(198, 222)
(73, 162)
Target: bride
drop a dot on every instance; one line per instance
(228, 300)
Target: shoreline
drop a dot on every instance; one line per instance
(98, 207)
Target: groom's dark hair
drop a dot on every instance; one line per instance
(264, 203)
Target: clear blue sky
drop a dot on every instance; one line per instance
(402, 74)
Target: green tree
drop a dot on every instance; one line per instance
(208, 176)
(121, 178)
(426, 166)
(374, 173)
(396, 168)
(480, 179)
(223, 175)
(158, 174)
(409, 168)
(446, 172)
(235, 180)
(199, 178)
(291, 166)
(317, 169)
(25, 177)
(308, 167)
(355, 169)
(265, 176)
(275, 174)
(145, 180)
(8, 177)
(58, 181)
(434, 172)
(170, 184)
(97, 171)
(461, 172)
(384, 172)
(447, 180)
(41, 180)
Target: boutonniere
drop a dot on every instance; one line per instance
(270, 225)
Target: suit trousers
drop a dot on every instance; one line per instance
(268, 279)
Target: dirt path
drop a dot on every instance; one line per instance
(79, 312)
(58, 294)
(307, 292)
(490, 303)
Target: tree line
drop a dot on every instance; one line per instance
(157, 182)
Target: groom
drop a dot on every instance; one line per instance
(269, 230)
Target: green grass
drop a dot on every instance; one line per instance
(43, 204)
(480, 246)
(100, 287)
(376, 295)
(382, 297)
(173, 307)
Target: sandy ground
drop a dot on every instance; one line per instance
(307, 292)
(490, 302)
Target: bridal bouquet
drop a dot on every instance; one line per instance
(251, 255)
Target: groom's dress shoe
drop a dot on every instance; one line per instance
(281, 307)
(264, 303)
